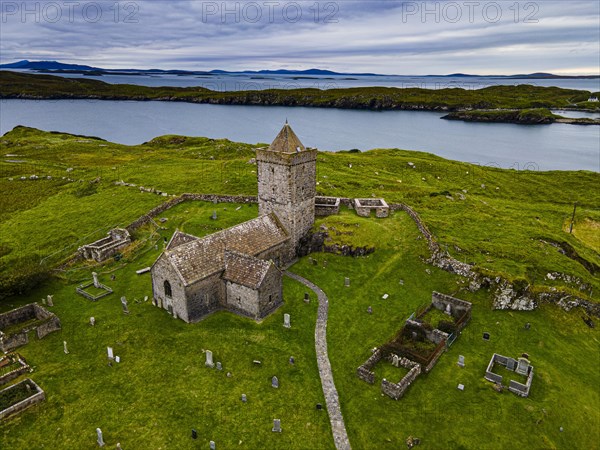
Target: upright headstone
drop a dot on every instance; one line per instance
(194, 434)
(306, 298)
(275, 382)
(99, 435)
(511, 364)
(214, 215)
(396, 360)
(527, 326)
(276, 426)
(286, 320)
(461, 361)
(50, 300)
(213, 446)
(96, 282)
(448, 309)
(244, 398)
(219, 365)
(292, 360)
(209, 359)
(486, 336)
(124, 305)
(44, 301)
(119, 446)
(370, 310)
(65, 347)
(92, 321)
(346, 281)
(117, 359)
(109, 351)
(522, 366)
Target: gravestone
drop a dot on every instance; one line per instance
(118, 359)
(286, 321)
(396, 360)
(219, 365)
(402, 282)
(124, 305)
(96, 282)
(214, 215)
(194, 434)
(65, 347)
(448, 310)
(527, 326)
(244, 398)
(109, 351)
(414, 335)
(461, 361)
(346, 281)
(511, 364)
(50, 300)
(319, 406)
(385, 296)
(99, 435)
(306, 298)
(292, 360)
(325, 264)
(44, 301)
(209, 359)
(256, 362)
(522, 366)
(486, 336)
(119, 446)
(229, 375)
(275, 382)
(213, 446)
(276, 426)
(370, 310)
(461, 387)
(92, 321)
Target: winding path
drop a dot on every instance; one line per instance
(332, 400)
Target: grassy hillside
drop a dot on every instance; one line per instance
(19, 85)
(504, 221)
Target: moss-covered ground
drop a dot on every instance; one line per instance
(161, 389)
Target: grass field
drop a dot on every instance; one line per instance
(161, 389)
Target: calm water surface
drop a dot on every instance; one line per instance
(543, 147)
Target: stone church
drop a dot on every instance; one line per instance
(240, 268)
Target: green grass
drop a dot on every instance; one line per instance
(20, 85)
(161, 389)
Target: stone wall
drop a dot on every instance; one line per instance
(364, 206)
(23, 314)
(37, 397)
(270, 293)
(364, 372)
(22, 367)
(327, 206)
(242, 299)
(397, 390)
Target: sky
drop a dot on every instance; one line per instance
(389, 37)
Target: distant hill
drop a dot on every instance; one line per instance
(58, 67)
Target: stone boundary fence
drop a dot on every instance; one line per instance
(37, 397)
(22, 367)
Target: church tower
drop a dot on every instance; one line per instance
(287, 173)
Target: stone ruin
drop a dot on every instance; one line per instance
(32, 317)
(12, 365)
(101, 250)
(364, 206)
(327, 206)
(35, 395)
(520, 366)
(400, 353)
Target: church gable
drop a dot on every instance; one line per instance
(245, 270)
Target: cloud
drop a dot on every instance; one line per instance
(375, 36)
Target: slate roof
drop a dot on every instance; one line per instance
(199, 258)
(287, 141)
(179, 238)
(245, 270)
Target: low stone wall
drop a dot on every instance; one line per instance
(397, 390)
(23, 314)
(327, 206)
(364, 372)
(22, 368)
(37, 397)
(514, 386)
(364, 206)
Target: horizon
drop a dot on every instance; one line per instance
(388, 38)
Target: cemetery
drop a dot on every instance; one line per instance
(228, 381)
(18, 397)
(93, 290)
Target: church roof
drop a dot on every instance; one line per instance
(202, 257)
(245, 270)
(287, 141)
(179, 238)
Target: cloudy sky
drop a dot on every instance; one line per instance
(392, 37)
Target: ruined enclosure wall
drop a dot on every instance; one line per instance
(23, 314)
(37, 397)
(18, 315)
(22, 368)
(397, 390)
(327, 206)
(364, 372)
